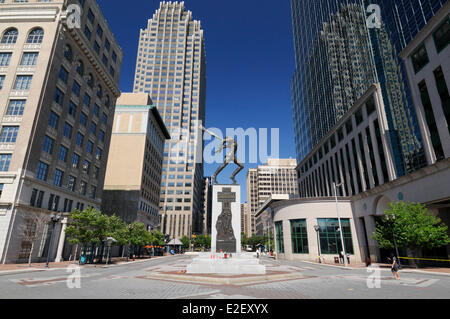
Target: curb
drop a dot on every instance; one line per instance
(25, 271)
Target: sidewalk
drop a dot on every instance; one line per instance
(10, 269)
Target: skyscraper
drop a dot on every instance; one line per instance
(171, 67)
(339, 56)
(277, 176)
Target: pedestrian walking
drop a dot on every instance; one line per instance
(341, 257)
(348, 258)
(395, 267)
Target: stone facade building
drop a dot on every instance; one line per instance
(58, 88)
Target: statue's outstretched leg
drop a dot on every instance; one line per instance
(220, 169)
(240, 168)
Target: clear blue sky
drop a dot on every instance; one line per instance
(249, 56)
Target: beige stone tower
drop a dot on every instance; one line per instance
(133, 174)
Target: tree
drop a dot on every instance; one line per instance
(255, 241)
(208, 241)
(86, 227)
(186, 242)
(139, 235)
(32, 229)
(158, 238)
(414, 228)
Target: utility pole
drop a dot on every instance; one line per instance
(339, 220)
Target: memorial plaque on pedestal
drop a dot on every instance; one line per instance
(226, 219)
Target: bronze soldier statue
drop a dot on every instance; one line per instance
(230, 143)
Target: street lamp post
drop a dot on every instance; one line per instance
(317, 229)
(130, 228)
(54, 218)
(335, 186)
(109, 242)
(393, 235)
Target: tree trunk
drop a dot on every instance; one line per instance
(31, 253)
(75, 254)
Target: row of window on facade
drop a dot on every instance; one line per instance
(42, 174)
(441, 37)
(96, 45)
(37, 200)
(64, 75)
(430, 119)
(329, 236)
(35, 36)
(319, 181)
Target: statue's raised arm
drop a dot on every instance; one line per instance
(211, 133)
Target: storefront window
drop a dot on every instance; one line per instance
(330, 240)
(299, 237)
(279, 234)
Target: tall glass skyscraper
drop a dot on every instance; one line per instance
(171, 67)
(338, 56)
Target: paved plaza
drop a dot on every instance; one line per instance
(164, 278)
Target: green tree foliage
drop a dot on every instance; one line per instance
(158, 238)
(139, 235)
(254, 241)
(86, 227)
(186, 242)
(413, 225)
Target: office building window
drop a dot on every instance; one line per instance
(279, 237)
(80, 138)
(29, 59)
(71, 182)
(9, 134)
(442, 35)
(442, 88)
(10, 36)
(62, 154)
(63, 74)
(16, 107)
(42, 171)
(48, 145)
(36, 36)
(23, 82)
(59, 96)
(329, 236)
(431, 121)
(420, 58)
(5, 160)
(299, 236)
(75, 160)
(5, 58)
(57, 178)
(33, 198)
